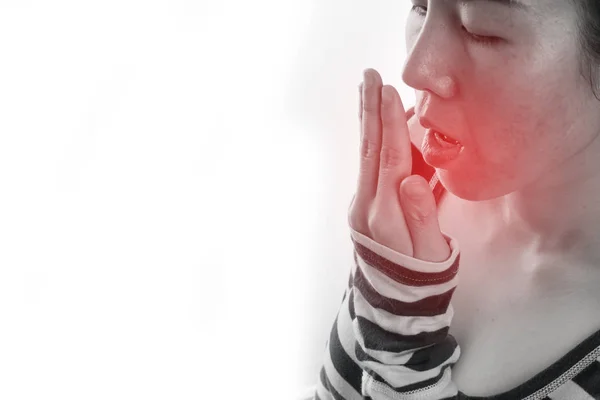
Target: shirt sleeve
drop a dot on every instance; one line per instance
(390, 337)
(402, 317)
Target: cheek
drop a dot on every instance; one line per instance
(520, 122)
(525, 92)
(500, 127)
(531, 136)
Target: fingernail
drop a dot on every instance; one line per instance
(418, 209)
(416, 190)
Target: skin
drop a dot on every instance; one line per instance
(527, 118)
(525, 115)
(391, 206)
(523, 197)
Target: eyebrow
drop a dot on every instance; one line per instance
(508, 3)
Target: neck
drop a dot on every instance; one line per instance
(562, 209)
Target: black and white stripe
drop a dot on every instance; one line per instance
(391, 333)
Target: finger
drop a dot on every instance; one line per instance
(360, 104)
(356, 221)
(370, 142)
(395, 157)
(420, 213)
(416, 131)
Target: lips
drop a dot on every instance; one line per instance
(439, 133)
(445, 139)
(439, 152)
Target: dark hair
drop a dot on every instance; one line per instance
(589, 40)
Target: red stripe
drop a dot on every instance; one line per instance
(402, 274)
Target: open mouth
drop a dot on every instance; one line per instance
(439, 149)
(445, 139)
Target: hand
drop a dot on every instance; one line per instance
(391, 206)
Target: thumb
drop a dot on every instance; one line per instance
(420, 213)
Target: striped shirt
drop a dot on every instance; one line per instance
(390, 338)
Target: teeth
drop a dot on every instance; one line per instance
(446, 138)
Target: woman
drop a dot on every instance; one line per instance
(505, 303)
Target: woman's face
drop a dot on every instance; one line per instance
(505, 81)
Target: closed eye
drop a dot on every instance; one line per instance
(478, 39)
(483, 40)
(420, 10)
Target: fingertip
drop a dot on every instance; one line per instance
(420, 212)
(415, 186)
(388, 95)
(417, 199)
(371, 77)
(390, 99)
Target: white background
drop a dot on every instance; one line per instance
(175, 177)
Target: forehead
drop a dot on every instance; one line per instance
(542, 13)
(507, 3)
(533, 6)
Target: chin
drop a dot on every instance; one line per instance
(471, 187)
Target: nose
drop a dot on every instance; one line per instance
(430, 61)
